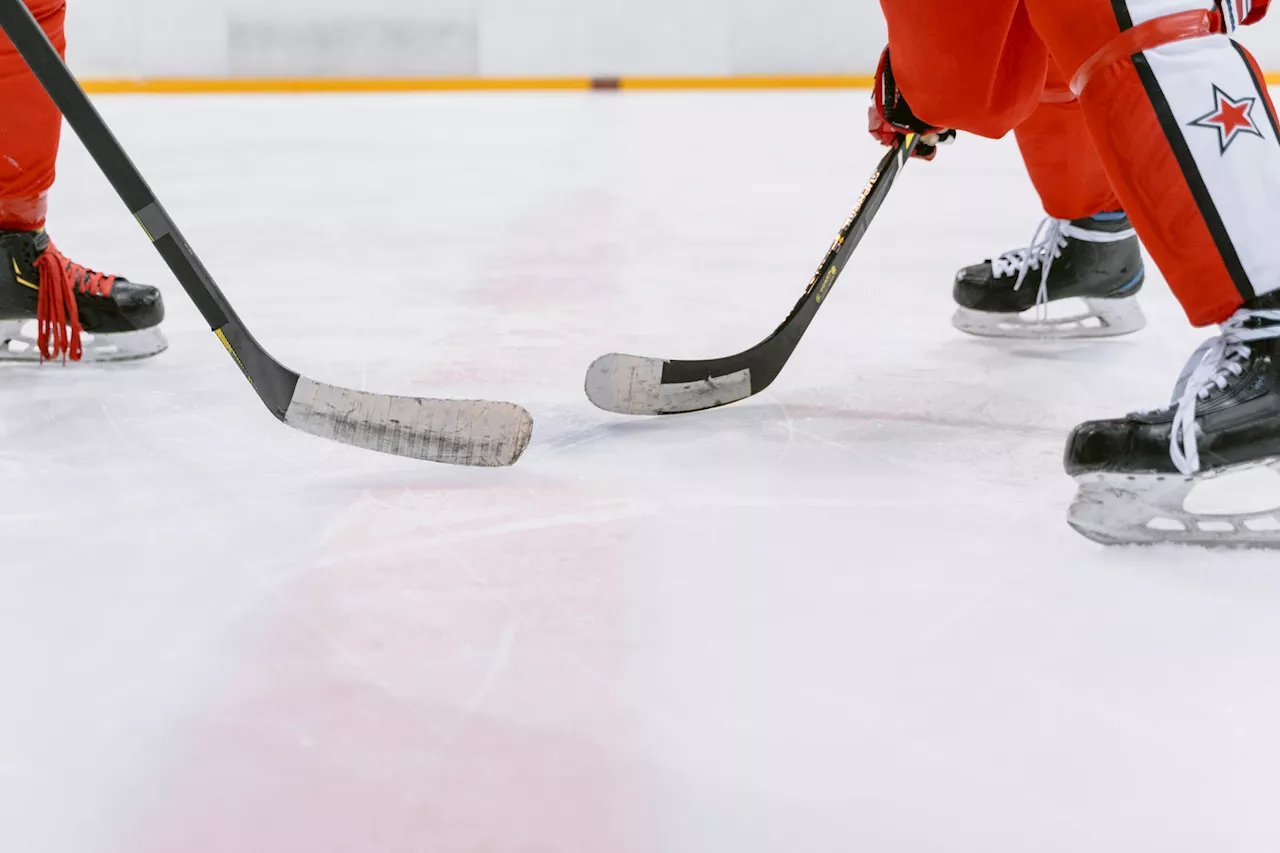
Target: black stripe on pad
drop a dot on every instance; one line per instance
(1191, 173)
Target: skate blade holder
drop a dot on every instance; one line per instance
(1237, 506)
(18, 343)
(1075, 317)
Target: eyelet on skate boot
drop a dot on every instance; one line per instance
(1096, 262)
(52, 307)
(1139, 476)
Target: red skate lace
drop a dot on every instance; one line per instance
(58, 317)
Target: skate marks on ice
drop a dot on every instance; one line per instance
(977, 441)
(431, 670)
(1232, 507)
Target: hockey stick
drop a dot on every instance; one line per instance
(458, 432)
(636, 385)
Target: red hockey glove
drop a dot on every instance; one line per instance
(890, 116)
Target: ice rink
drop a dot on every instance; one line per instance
(847, 615)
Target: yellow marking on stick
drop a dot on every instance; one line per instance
(226, 343)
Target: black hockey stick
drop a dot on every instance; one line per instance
(459, 432)
(636, 385)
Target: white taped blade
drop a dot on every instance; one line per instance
(455, 432)
(632, 385)
(626, 384)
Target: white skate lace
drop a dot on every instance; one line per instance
(1051, 237)
(1220, 360)
(1046, 247)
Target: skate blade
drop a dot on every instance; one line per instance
(1100, 318)
(1152, 509)
(18, 344)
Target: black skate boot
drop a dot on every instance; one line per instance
(1135, 473)
(1097, 261)
(38, 285)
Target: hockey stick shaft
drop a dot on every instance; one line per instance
(75, 106)
(641, 385)
(842, 248)
(461, 432)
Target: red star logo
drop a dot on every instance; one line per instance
(1231, 118)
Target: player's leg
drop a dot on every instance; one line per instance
(976, 66)
(1182, 121)
(979, 66)
(36, 280)
(1084, 259)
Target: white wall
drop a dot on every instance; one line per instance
(492, 38)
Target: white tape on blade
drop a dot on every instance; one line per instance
(632, 385)
(456, 432)
(706, 394)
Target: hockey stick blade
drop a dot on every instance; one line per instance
(634, 385)
(457, 432)
(639, 385)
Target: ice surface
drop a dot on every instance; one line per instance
(845, 616)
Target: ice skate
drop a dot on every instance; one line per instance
(1089, 272)
(1136, 474)
(51, 307)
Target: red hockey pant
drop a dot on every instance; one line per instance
(1064, 167)
(29, 127)
(1185, 132)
